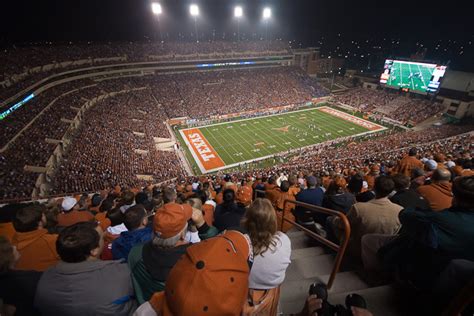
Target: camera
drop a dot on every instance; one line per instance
(327, 309)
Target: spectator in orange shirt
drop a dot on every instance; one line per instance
(439, 193)
(71, 214)
(408, 163)
(244, 193)
(36, 247)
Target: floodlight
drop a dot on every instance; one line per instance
(156, 8)
(238, 12)
(194, 10)
(267, 13)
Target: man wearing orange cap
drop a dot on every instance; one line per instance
(151, 262)
(211, 279)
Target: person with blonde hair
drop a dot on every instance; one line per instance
(272, 251)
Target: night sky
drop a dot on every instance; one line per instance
(324, 23)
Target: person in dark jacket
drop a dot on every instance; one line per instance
(430, 240)
(313, 195)
(336, 197)
(152, 262)
(229, 213)
(17, 287)
(136, 221)
(406, 197)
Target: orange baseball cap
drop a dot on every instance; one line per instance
(244, 195)
(211, 278)
(170, 219)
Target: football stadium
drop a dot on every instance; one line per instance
(223, 145)
(236, 157)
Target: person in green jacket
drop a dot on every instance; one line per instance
(151, 262)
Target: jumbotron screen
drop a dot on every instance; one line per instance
(412, 76)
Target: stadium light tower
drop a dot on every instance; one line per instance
(157, 10)
(194, 11)
(267, 14)
(238, 13)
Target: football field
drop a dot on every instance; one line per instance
(224, 145)
(413, 76)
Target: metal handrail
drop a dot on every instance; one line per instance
(340, 249)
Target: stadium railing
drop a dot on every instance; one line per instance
(340, 249)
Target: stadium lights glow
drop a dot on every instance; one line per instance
(238, 12)
(156, 8)
(267, 13)
(194, 10)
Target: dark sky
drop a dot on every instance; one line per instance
(23, 20)
(307, 21)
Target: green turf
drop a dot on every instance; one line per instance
(248, 139)
(400, 76)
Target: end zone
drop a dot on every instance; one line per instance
(203, 153)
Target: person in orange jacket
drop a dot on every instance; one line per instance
(36, 247)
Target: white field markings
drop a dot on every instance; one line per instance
(327, 128)
(317, 118)
(412, 82)
(258, 118)
(401, 74)
(251, 144)
(422, 78)
(220, 146)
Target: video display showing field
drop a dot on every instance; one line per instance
(224, 145)
(414, 76)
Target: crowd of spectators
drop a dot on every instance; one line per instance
(401, 229)
(403, 109)
(195, 95)
(23, 66)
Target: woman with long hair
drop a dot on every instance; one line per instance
(272, 251)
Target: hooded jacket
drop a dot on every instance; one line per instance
(37, 249)
(122, 245)
(91, 287)
(339, 202)
(439, 195)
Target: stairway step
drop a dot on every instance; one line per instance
(307, 252)
(299, 240)
(294, 292)
(310, 267)
(382, 300)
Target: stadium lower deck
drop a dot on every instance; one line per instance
(224, 145)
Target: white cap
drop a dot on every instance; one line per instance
(431, 164)
(68, 203)
(195, 185)
(450, 164)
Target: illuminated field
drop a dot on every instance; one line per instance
(224, 145)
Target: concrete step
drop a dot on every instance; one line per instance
(295, 292)
(298, 239)
(381, 300)
(307, 252)
(309, 267)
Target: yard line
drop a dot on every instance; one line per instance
(422, 78)
(222, 147)
(401, 74)
(412, 83)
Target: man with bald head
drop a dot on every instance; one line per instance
(439, 193)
